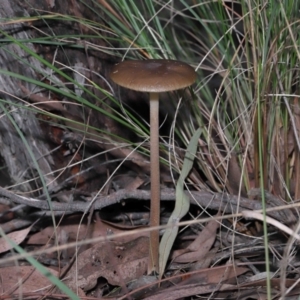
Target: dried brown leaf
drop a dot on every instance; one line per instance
(119, 263)
(200, 246)
(17, 237)
(275, 282)
(135, 183)
(22, 279)
(181, 292)
(203, 282)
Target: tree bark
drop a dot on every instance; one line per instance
(19, 124)
(24, 147)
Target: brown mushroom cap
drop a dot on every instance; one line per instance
(153, 75)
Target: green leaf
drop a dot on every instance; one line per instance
(182, 204)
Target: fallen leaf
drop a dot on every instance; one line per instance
(200, 246)
(203, 282)
(261, 280)
(17, 237)
(22, 279)
(96, 229)
(119, 263)
(117, 228)
(184, 292)
(5, 213)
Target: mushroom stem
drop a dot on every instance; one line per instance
(153, 76)
(155, 183)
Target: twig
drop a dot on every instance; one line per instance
(258, 216)
(215, 201)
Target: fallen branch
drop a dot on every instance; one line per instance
(206, 200)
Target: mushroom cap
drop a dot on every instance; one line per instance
(153, 75)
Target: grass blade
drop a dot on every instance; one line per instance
(182, 204)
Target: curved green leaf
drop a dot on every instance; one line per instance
(182, 204)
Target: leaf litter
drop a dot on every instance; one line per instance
(200, 246)
(200, 261)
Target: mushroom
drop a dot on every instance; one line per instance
(153, 76)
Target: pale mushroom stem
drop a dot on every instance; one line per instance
(155, 183)
(153, 75)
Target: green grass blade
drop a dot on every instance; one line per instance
(182, 204)
(44, 271)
